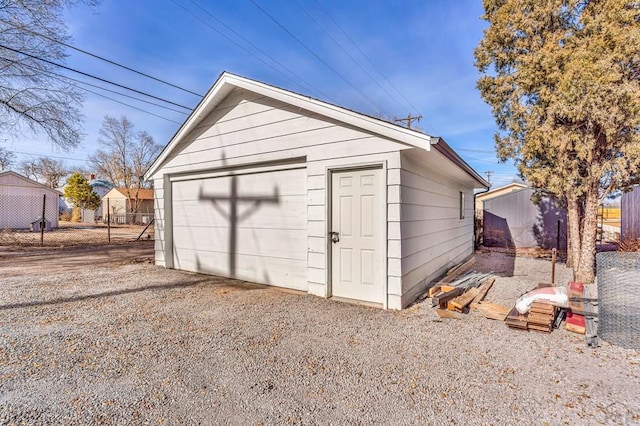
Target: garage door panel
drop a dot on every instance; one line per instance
(266, 240)
(279, 243)
(288, 213)
(250, 268)
(283, 183)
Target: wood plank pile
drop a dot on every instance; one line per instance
(541, 317)
(516, 320)
(459, 292)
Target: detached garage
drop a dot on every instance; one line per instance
(266, 185)
(21, 202)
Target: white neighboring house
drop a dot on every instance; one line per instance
(266, 185)
(21, 201)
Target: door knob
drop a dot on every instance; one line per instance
(335, 237)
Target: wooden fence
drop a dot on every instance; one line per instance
(630, 215)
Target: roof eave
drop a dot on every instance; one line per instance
(443, 148)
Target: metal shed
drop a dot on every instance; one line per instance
(519, 220)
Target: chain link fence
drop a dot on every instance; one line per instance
(619, 298)
(27, 221)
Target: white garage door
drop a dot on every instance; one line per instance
(248, 226)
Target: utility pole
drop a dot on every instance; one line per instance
(489, 173)
(408, 120)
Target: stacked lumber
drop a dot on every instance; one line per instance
(460, 303)
(442, 294)
(541, 317)
(482, 293)
(516, 320)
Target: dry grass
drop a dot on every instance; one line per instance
(70, 234)
(629, 245)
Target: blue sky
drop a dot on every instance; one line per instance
(422, 55)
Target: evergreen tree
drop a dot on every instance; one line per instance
(563, 80)
(80, 193)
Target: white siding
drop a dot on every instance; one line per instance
(21, 201)
(245, 130)
(433, 236)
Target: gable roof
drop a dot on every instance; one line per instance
(513, 186)
(31, 182)
(227, 82)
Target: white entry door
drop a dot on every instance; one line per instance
(357, 234)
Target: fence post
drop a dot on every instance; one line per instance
(42, 220)
(108, 222)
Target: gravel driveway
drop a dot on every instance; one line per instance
(104, 337)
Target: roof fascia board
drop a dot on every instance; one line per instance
(443, 148)
(227, 82)
(31, 181)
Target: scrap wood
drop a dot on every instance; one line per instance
(470, 279)
(542, 308)
(442, 299)
(482, 293)
(439, 289)
(492, 310)
(443, 313)
(461, 302)
(516, 320)
(457, 270)
(540, 328)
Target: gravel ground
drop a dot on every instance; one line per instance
(104, 337)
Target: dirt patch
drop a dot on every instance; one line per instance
(46, 260)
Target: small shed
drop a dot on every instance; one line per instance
(481, 197)
(21, 201)
(266, 185)
(630, 214)
(518, 219)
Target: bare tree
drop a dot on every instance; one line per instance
(33, 95)
(7, 158)
(29, 168)
(125, 156)
(44, 170)
(52, 171)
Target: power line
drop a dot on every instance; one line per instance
(367, 58)
(93, 76)
(101, 58)
(308, 49)
(65, 79)
(346, 52)
(131, 106)
(302, 83)
(48, 156)
(293, 76)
